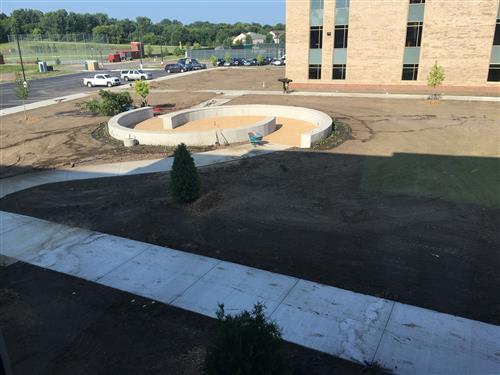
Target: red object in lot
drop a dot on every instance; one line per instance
(157, 111)
(114, 57)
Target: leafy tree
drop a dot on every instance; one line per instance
(248, 39)
(269, 38)
(149, 50)
(213, 60)
(178, 51)
(260, 59)
(245, 344)
(196, 45)
(142, 89)
(22, 91)
(184, 178)
(435, 78)
(227, 57)
(110, 104)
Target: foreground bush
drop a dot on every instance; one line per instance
(245, 344)
(185, 180)
(110, 104)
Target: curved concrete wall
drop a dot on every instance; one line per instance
(120, 125)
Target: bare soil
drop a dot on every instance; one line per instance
(242, 78)
(320, 216)
(55, 324)
(61, 136)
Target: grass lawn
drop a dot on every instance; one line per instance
(456, 179)
(7, 72)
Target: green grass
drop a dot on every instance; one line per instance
(454, 178)
(31, 72)
(11, 68)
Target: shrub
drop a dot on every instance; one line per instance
(142, 89)
(149, 50)
(227, 57)
(245, 344)
(110, 104)
(58, 61)
(196, 45)
(213, 60)
(185, 180)
(178, 51)
(260, 59)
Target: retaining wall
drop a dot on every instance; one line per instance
(120, 126)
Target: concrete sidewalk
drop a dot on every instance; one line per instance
(405, 339)
(25, 181)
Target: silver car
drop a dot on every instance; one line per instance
(132, 75)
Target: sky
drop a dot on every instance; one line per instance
(186, 11)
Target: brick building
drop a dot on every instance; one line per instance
(392, 44)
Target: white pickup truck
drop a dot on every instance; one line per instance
(102, 80)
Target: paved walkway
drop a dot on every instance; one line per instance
(356, 327)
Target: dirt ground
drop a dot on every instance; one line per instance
(383, 127)
(316, 215)
(61, 135)
(54, 324)
(251, 78)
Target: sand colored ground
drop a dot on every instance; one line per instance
(288, 133)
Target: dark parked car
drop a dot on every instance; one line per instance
(174, 68)
(220, 62)
(196, 65)
(185, 64)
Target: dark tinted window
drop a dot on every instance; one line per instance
(340, 37)
(417, 1)
(410, 72)
(315, 71)
(494, 73)
(496, 38)
(316, 37)
(338, 71)
(414, 34)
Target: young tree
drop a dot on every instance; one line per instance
(213, 60)
(142, 89)
(196, 45)
(227, 57)
(22, 91)
(149, 50)
(260, 59)
(184, 177)
(435, 78)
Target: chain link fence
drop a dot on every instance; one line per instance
(272, 50)
(65, 49)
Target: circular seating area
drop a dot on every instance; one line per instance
(123, 125)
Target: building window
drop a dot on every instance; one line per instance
(410, 72)
(340, 4)
(496, 38)
(316, 37)
(494, 73)
(338, 71)
(315, 71)
(340, 37)
(417, 1)
(414, 34)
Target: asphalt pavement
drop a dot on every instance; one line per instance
(55, 87)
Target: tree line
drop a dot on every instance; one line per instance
(167, 32)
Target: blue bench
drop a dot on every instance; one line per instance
(255, 138)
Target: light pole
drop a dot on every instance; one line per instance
(21, 58)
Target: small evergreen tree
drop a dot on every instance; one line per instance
(184, 177)
(245, 344)
(142, 89)
(435, 78)
(22, 91)
(213, 60)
